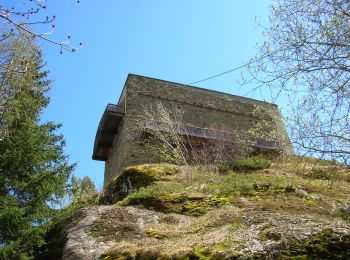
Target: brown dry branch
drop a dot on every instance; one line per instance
(18, 21)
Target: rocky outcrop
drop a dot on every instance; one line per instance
(112, 232)
(206, 215)
(80, 243)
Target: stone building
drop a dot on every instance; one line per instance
(118, 138)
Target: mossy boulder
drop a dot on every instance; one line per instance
(134, 177)
(325, 245)
(177, 203)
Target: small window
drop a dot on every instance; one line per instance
(178, 109)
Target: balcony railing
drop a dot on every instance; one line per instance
(190, 131)
(219, 135)
(261, 143)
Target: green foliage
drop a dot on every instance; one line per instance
(223, 168)
(163, 153)
(265, 127)
(345, 213)
(33, 168)
(318, 173)
(82, 187)
(253, 163)
(329, 170)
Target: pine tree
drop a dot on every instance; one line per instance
(33, 167)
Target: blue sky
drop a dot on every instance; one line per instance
(181, 41)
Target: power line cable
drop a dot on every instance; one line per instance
(239, 67)
(223, 73)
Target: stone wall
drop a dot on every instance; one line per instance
(198, 107)
(115, 161)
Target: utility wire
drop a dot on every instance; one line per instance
(223, 73)
(237, 68)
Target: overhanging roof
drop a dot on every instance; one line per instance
(107, 129)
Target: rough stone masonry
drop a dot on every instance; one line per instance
(118, 136)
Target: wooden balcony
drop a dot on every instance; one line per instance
(213, 134)
(107, 129)
(264, 144)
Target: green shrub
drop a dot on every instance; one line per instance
(224, 168)
(319, 173)
(253, 163)
(345, 213)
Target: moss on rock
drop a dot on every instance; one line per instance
(134, 177)
(176, 203)
(260, 215)
(216, 252)
(248, 164)
(325, 245)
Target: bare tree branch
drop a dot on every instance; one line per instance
(306, 57)
(19, 19)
